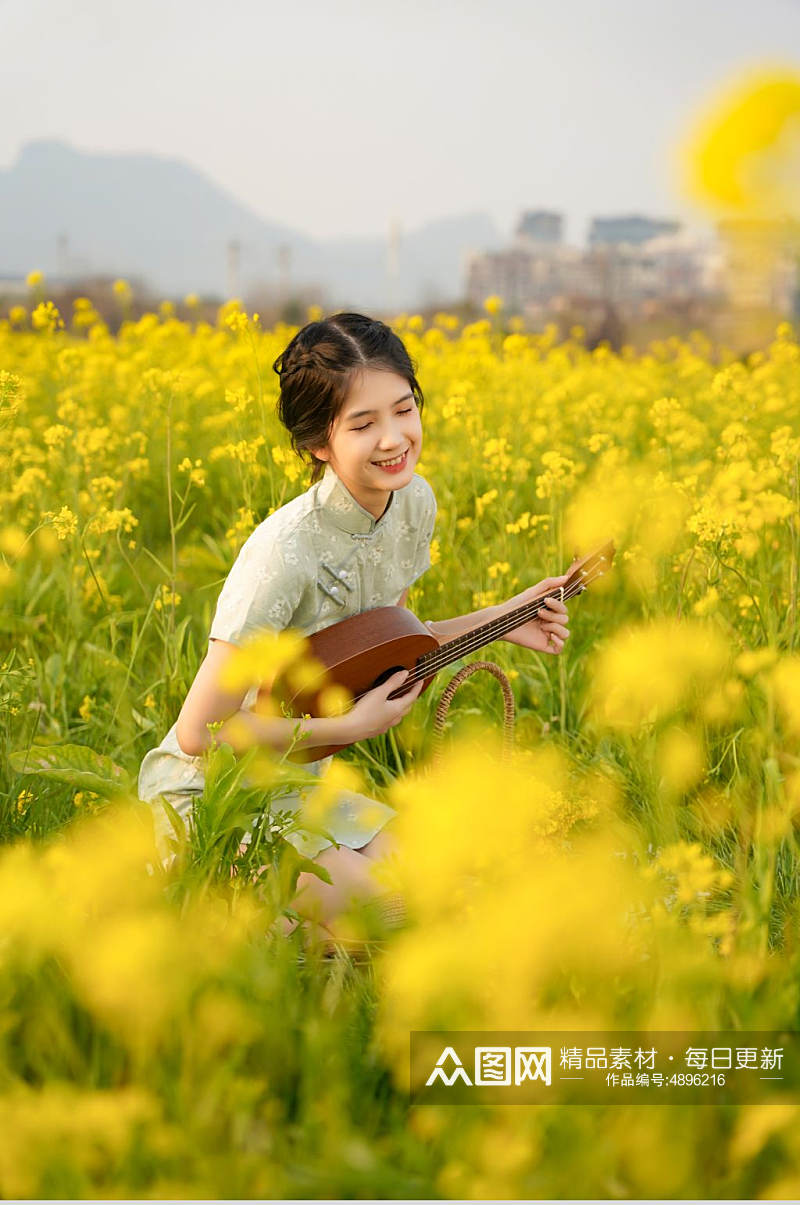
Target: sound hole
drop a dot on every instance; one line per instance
(387, 673)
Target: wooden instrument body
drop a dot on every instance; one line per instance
(359, 653)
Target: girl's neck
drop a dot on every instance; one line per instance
(376, 504)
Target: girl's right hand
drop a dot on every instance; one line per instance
(375, 712)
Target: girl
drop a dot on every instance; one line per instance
(357, 538)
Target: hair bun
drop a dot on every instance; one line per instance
(297, 364)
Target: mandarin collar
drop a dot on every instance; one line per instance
(344, 510)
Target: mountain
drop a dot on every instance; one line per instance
(168, 224)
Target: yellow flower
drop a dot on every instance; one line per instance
(24, 799)
(262, 658)
(785, 681)
(484, 501)
(684, 661)
(559, 475)
(708, 603)
(34, 279)
(740, 156)
(493, 304)
(167, 598)
(85, 709)
(197, 475)
(65, 523)
(13, 540)
(753, 661)
(46, 317)
(107, 519)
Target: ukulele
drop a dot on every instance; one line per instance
(363, 651)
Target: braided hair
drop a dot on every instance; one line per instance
(316, 371)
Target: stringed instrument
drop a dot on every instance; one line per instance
(363, 651)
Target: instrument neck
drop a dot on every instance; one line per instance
(476, 638)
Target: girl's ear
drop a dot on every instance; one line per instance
(320, 453)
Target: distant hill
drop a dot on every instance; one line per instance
(169, 224)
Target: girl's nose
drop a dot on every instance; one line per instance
(391, 437)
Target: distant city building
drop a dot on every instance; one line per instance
(632, 229)
(520, 275)
(760, 265)
(540, 226)
(621, 266)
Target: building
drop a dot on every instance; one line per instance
(621, 266)
(761, 264)
(631, 230)
(540, 226)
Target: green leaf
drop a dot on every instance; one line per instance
(77, 765)
(144, 723)
(297, 863)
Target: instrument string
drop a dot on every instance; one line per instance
(453, 649)
(447, 653)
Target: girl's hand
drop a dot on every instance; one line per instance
(375, 712)
(548, 632)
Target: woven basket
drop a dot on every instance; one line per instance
(447, 698)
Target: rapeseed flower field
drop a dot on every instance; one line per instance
(634, 864)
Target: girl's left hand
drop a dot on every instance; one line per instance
(548, 632)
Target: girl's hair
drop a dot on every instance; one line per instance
(317, 369)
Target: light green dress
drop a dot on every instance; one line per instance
(319, 559)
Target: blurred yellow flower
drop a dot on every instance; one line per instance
(742, 153)
(647, 673)
(46, 317)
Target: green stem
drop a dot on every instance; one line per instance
(173, 541)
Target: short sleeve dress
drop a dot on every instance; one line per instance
(319, 559)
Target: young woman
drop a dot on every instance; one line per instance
(357, 538)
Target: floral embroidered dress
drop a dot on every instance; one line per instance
(319, 559)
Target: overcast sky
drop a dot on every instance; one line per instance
(336, 116)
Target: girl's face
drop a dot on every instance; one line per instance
(376, 438)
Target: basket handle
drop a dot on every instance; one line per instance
(447, 698)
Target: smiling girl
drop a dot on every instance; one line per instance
(357, 538)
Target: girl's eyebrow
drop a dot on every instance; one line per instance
(360, 413)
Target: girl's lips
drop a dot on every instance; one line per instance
(393, 468)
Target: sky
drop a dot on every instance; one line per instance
(338, 117)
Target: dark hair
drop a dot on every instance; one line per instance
(317, 369)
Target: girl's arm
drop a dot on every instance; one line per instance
(207, 703)
(547, 633)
